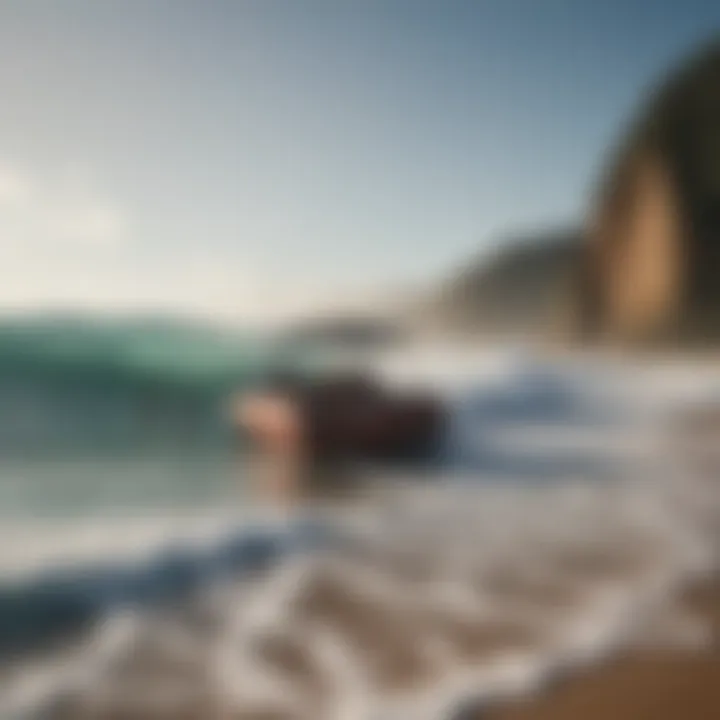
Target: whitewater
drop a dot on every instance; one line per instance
(566, 518)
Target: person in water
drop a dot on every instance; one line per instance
(312, 429)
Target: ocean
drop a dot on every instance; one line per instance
(139, 578)
(99, 415)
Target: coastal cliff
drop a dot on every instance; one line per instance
(522, 289)
(649, 272)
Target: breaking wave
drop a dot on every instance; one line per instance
(68, 384)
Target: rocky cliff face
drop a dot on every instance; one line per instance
(522, 290)
(645, 267)
(650, 271)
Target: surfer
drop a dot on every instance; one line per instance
(312, 429)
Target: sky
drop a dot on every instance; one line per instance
(250, 159)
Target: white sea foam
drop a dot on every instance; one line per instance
(458, 589)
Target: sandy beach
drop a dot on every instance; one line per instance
(642, 685)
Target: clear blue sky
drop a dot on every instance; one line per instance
(247, 157)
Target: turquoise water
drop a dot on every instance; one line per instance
(115, 415)
(84, 485)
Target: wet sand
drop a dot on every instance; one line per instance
(643, 685)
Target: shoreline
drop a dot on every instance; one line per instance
(640, 684)
(661, 683)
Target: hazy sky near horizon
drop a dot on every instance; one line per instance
(248, 158)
